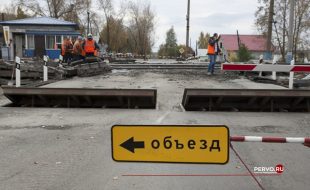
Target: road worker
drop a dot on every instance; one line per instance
(90, 46)
(213, 51)
(78, 52)
(66, 49)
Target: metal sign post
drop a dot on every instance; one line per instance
(274, 62)
(45, 69)
(17, 70)
(291, 80)
(261, 61)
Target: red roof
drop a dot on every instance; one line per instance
(252, 42)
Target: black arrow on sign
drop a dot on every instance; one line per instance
(131, 145)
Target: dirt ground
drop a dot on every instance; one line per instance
(71, 148)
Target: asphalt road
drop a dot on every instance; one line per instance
(71, 148)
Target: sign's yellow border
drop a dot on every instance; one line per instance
(119, 125)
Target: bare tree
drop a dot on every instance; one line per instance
(280, 19)
(12, 12)
(302, 15)
(141, 27)
(137, 35)
(55, 8)
(108, 11)
(112, 20)
(70, 10)
(118, 39)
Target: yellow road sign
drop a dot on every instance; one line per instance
(171, 144)
(181, 50)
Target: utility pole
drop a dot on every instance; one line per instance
(238, 38)
(90, 28)
(196, 48)
(290, 32)
(87, 23)
(270, 21)
(187, 25)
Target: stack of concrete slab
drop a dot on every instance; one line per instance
(91, 69)
(34, 69)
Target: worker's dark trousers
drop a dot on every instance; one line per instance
(67, 57)
(90, 55)
(77, 57)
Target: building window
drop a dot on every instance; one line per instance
(58, 41)
(30, 41)
(50, 42)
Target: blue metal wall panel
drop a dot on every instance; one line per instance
(29, 52)
(53, 54)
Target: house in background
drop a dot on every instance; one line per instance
(37, 36)
(202, 54)
(256, 44)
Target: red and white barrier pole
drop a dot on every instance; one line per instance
(268, 68)
(302, 140)
(265, 67)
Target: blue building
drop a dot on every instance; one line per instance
(37, 36)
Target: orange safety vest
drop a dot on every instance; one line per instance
(63, 49)
(89, 46)
(211, 49)
(83, 53)
(66, 47)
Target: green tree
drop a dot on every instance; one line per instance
(171, 40)
(203, 40)
(170, 48)
(171, 43)
(244, 53)
(162, 50)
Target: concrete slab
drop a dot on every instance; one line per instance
(71, 148)
(3, 100)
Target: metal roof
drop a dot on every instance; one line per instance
(252, 42)
(44, 21)
(38, 32)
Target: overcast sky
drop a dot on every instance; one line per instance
(221, 16)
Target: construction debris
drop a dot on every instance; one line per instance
(32, 69)
(91, 69)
